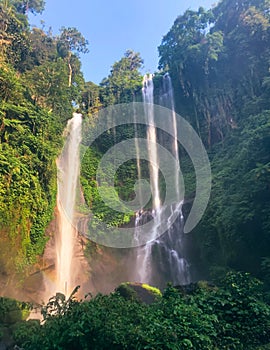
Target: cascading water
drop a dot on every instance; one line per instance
(144, 266)
(179, 268)
(138, 162)
(148, 99)
(167, 99)
(161, 260)
(68, 172)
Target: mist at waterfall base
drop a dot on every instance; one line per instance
(163, 259)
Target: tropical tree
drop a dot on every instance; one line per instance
(124, 80)
(213, 59)
(71, 42)
(25, 6)
(90, 98)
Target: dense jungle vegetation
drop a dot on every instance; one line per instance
(219, 61)
(232, 315)
(39, 80)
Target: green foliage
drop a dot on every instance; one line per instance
(120, 87)
(266, 268)
(14, 35)
(219, 64)
(36, 101)
(124, 80)
(235, 229)
(70, 43)
(12, 311)
(90, 99)
(27, 175)
(92, 195)
(242, 314)
(34, 6)
(218, 60)
(48, 86)
(124, 181)
(71, 40)
(231, 316)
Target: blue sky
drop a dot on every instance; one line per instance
(112, 27)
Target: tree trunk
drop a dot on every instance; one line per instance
(70, 74)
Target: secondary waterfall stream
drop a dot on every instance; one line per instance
(68, 172)
(167, 100)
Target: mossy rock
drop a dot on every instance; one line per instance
(140, 292)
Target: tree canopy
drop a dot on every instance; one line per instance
(124, 80)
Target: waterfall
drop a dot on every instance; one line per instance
(138, 161)
(68, 171)
(148, 99)
(143, 258)
(168, 101)
(179, 268)
(161, 260)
